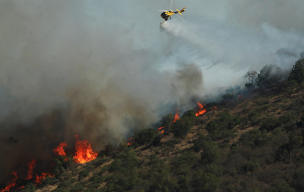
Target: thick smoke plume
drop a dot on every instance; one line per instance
(102, 69)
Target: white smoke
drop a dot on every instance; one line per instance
(54, 53)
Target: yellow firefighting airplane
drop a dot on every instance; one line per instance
(167, 14)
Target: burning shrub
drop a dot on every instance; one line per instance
(182, 126)
(166, 122)
(60, 164)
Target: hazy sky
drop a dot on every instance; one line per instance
(113, 50)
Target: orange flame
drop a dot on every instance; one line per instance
(176, 117)
(239, 96)
(201, 109)
(12, 183)
(31, 166)
(59, 150)
(84, 152)
(214, 107)
(160, 129)
(43, 176)
(130, 141)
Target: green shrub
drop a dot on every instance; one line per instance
(182, 126)
(254, 138)
(185, 159)
(297, 72)
(97, 179)
(77, 188)
(49, 181)
(263, 108)
(210, 152)
(281, 186)
(99, 161)
(225, 122)
(83, 174)
(298, 180)
(198, 143)
(59, 189)
(270, 123)
(286, 117)
(211, 126)
(254, 117)
(189, 113)
(251, 166)
(145, 136)
(205, 182)
(214, 169)
(29, 187)
(156, 140)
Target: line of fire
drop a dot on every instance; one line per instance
(83, 154)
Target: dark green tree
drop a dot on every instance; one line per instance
(145, 136)
(166, 122)
(298, 180)
(205, 182)
(182, 126)
(210, 152)
(297, 72)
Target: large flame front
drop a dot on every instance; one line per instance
(201, 109)
(31, 166)
(84, 152)
(12, 183)
(59, 150)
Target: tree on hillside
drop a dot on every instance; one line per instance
(269, 75)
(297, 72)
(166, 122)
